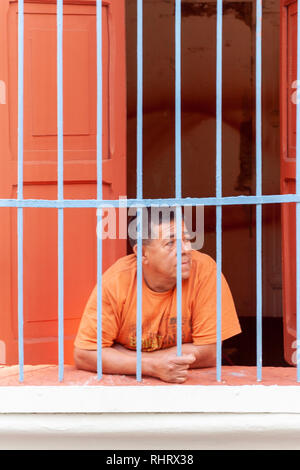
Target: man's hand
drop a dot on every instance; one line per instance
(172, 368)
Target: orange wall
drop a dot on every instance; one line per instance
(198, 128)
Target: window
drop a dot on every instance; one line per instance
(34, 191)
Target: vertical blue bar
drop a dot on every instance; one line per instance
(258, 191)
(219, 291)
(20, 184)
(99, 188)
(298, 204)
(178, 178)
(60, 189)
(60, 294)
(99, 294)
(139, 296)
(178, 99)
(179, 279)
(219, 184)
(259, 291)
(139, 185)
(139, 99)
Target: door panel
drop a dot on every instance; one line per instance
(288, 171)
(40, 166)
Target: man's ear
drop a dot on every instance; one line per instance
(144, 253)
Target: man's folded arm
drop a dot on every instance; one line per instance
(163, 364)
(114, 361)
(205, 355)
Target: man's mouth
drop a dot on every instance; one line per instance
(185, 262)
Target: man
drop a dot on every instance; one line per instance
(159, 312)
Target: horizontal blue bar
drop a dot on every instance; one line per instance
(171, 202)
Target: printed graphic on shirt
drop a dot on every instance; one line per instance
(152, 340)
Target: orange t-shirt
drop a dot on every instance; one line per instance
(158, 309)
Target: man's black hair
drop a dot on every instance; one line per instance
(150, 216)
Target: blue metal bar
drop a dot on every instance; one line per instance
(20, 185)
(99, 294)
(171, 202)
(179, 279)
(258, 191)
(20, 97)
(219, 290)
(219, 184)
(60, 188)
(20, 296)
(298, 280)
(99, 186)
(259, 291)
(258, 98)
(139, 190)
(139, 296)
(60, 157)
(298, 204)
(139, 172)
(178, 99)
(178, 179)
(219, 100)
(60, 294)
(99, 100)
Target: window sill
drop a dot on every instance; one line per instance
(202, 414)
(82, 393)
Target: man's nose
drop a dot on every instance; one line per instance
(185, 246)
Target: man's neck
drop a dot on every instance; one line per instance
(158, 284)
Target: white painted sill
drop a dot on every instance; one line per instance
(149, 399)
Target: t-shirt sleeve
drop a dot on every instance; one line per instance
(204, 323)
(87, 333)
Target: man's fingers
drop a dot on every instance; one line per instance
(180, 367)
(186, 359)
(181, 379)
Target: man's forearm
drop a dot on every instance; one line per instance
(205, 355)
(114, 361)
(163, 364)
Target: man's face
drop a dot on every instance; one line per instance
(161, 253)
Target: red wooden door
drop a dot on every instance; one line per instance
(288, 171)
(40, 165)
